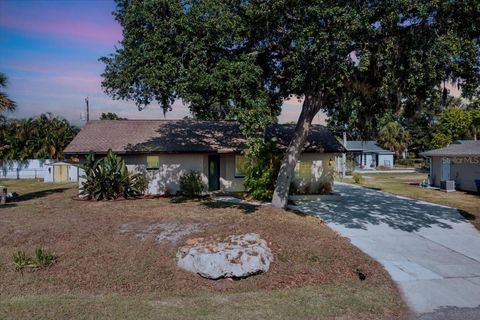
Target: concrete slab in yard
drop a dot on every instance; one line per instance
(431, 251)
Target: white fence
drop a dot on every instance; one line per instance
(28, 169)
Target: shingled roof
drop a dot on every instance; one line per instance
(367, 146)
(455, 150)
(175, 136)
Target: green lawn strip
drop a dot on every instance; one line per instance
(355, 300)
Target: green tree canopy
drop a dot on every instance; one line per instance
(110, 116)
(453, 124)
(394, 137)
(225, 57)
(43, 137)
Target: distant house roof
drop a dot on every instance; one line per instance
(453, 150)
(367, 146)
(175, 136)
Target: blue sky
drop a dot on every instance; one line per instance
(49, 50)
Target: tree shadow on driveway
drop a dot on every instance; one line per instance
(360, 207)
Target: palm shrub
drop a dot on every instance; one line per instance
(21, 261)
(108, 178)
(191, 183)
(42, 259)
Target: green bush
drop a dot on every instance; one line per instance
(263, 163)
(357, 178)
(191, 184)
(42, 259)
(405, 162)
(324, 187)
(293, 188)
(108, 178)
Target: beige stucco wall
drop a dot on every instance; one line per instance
(228, 181)
(172, 166)
(320, 162)
(165, 179)
(463, 172)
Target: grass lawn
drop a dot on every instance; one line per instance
(111, 264)
(406, 184)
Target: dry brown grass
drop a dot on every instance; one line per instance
(97, 258)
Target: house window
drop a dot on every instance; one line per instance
(153, 162)
(240, 166)
(303, 169)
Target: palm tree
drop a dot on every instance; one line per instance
(5, 102)
(394, 137)
(42, 137)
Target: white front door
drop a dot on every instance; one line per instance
(445, 169)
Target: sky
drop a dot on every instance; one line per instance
(49, 51)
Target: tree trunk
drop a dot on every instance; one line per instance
(311, 106)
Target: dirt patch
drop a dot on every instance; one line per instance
(169, 232)
(128, 248)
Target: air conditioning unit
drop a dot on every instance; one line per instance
(447, 185)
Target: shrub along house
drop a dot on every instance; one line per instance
(458, 163)
(166, 149)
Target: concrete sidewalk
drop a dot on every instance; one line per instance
(431, 251)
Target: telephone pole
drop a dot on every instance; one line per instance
(87, 116)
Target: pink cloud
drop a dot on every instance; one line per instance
(29, 67)
(52, 23)
(82, 82)
(291, 109)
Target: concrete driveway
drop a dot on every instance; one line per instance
(431, 251)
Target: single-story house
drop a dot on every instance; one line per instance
(166, 149)
(369, 154)
(459, 162)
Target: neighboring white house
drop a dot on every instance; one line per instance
(369, 154)
(166, 149)
(459, 162)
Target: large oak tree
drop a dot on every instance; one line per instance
(222, 56)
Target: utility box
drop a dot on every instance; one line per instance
(447, 185)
